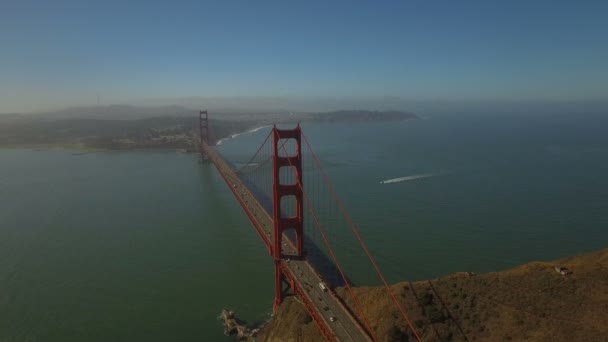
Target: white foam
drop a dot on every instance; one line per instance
(246, 164)
(408, 178)
(219, 142)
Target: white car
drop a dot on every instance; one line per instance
(332, 319)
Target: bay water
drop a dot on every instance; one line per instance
(150, 246)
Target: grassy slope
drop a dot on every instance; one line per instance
(528, 303)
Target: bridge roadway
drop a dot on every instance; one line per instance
(326, 304)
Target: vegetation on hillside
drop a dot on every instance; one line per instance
(531, 302)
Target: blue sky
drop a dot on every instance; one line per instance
(61, 53)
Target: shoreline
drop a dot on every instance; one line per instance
(91, 149)
(184, 137)
(52, 146)
(88, 150)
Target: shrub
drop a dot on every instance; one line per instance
(434, 315)
(426, 299)
(395, 334)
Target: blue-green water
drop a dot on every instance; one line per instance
(151, 245)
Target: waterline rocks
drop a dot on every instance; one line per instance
(236, 327)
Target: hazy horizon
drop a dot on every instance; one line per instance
(303, 104)
(65, 54)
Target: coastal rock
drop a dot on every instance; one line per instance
(236, 327)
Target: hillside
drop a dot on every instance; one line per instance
(160, 132)
(531, 302)
(127, 127)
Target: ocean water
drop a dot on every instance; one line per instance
(124, 246)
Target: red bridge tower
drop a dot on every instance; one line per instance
(203, 120)
(279, 191)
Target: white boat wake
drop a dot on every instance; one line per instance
(246, 164)
(409, 178)
(219, 142)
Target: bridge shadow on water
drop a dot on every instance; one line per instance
(316, 253)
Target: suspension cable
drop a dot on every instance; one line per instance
(240, 170)
(354, 229)
(256, 153)
(333, 256)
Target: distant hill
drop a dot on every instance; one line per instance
(127, 112)
(156, 132)
(112, 112)
(128, 127)
(531, 302)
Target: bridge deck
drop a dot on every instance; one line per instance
(306, 279)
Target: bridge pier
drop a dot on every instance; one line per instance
(279, 281)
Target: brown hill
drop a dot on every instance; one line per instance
(531, 302)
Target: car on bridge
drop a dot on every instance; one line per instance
(323, 287)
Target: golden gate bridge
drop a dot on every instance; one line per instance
(294, 208)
